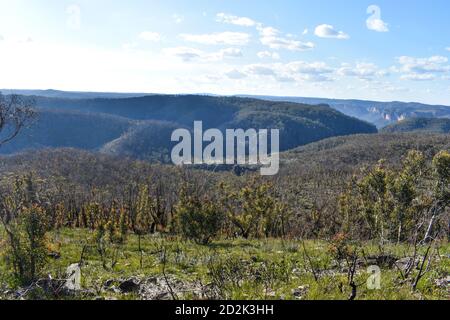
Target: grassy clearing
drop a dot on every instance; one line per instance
(242, 269)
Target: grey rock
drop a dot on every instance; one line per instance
(73, 276)
(443, 283)
(300, 292)
(130, 285)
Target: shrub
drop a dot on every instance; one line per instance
(198, 219)
(26, 223)
(395, 204)
(254, 210)
(27, 244)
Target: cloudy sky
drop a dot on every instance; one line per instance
(382, 49)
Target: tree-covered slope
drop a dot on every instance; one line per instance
(430, 125)
(378, 113)
(139, 127)
(150, 140)
(61, 128)
(348, 153)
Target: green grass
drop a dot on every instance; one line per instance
(281, 266)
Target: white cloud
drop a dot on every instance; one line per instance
(393, 88)
(188, 54)
(268, 54)
(230, 53)
(328, 31)
(270, 38)
(268, 31)
(286, 79)
(315, 72)
(297, 71)
(65, 66)
(309, 68)
(422, 65)
(305, 32)
(317, 78)
(448, 48)
(1, 38)
(235, 74)
(422, 68)
(418, 76)
(374, 22)
(223, 38)
(150, 36)
(308, 71)
(260, 70)
(185, 53)
(177, 18)
(239, 21)
(362, 71)
(73, 12)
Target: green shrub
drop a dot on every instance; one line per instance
(27, 244)
(26, 223)
(198, 219)
(255, 210)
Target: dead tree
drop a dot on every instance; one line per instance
(16, 112)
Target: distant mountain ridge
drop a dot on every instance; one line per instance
(378, 113)
(50, 93)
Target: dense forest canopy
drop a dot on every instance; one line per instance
(425, 125)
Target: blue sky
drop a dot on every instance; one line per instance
(383, 49)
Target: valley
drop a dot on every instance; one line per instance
(95, 177)
(224, 159)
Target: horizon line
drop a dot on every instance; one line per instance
(243, 95)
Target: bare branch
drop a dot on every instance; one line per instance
(16, 112)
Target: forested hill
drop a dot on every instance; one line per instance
(352, 152)
(426, 125)
(140, 127)
(378, 113)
